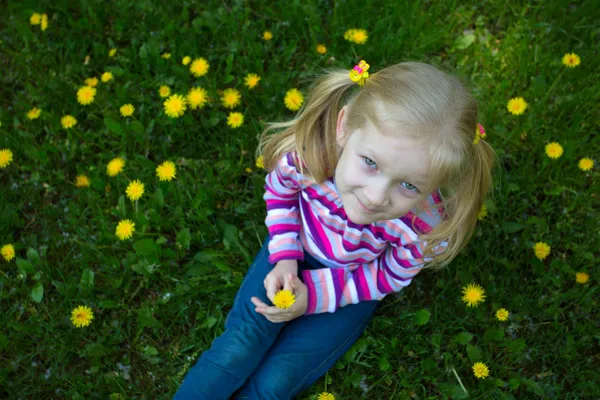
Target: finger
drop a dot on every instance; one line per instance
(258, 302)
(273, 287)
(288, 282)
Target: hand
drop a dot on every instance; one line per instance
(297, 309)
(275, 280)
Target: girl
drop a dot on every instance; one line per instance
(378, 177)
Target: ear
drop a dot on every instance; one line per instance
(341, 126)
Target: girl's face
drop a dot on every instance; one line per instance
(379, 176)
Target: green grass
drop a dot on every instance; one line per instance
(157, 307)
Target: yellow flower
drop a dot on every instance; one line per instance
(166, 56)
(35, 19)
(248, 170)
(571, 60)
(8, 252)
(581, 277)
(284, 299)
(44, 22)
(480, 370)
(186, 60)
(260, 162)
(82, 181)
(164, 91)
(199, 67)
(554, 150)
(482, 213)
(92, 82)
(326, 396)
(293, 99)
(68, 121)
(6, 157)
(127, 110)
(235, 119)
(34, 113)
(125, 229)
(115, 166)
(541, 250)
(251, 80)
(197, 97)
(82, 316)
(517, 106)
(86, 94)
(112, 52)
(135, 190)
(321, 49)
(473, 295)
(231, 98)
(166, 171)
(358, 36)
(175, 106)
(585, 164)
(502, 314)
(107, 76)
(267, 35)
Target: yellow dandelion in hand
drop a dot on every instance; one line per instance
(585, 164)
(166, 171)
(186, 60)
(502, 314)
(231, 98)
(35, 19)
(127, 110)
(293, 99)
(260, 162)
(166, 56)
(326, 396)
(517, 106)
(91, 82)
(107, 76)
(115, 166)
(112, 52)
(68, 121)
(6, 157)
(44, 22)
(267, 35)
(82, 181)
(135, 190)
(358, 36)
(8, 252)
(199, 67)
(480, 370)
(482, 213)
(235, 119)
(125, 229)
(85, 95)
(581, 277)
(82, 316)
(554, 150)
(251, 80)
(541, 250)
(321, 49)
(164, 91)
(175, 106)
(571, 60)
(197, 98)
(284, 299)
(34, 113)
(473, 295)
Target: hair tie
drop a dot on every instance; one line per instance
(479, 133)
(359, 73)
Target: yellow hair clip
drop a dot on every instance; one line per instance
(359, 73)
(479, 133)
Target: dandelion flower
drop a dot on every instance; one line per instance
(6, 157)
(82, 181)
(115, 166)
(34, 113)
(248, 170)
(321, 49)
(554, 150)
(135, 190)
(125, 229)
(164, 91)
(502, 314)
(473, 295)
(82, 316)
(68, 121)
(166, 56)
(480, 370)
(8, 252)
(199, 67)
(581, 277)
(112, 52)
(107, 76)
(358, 36)
(585, 164)
(231, 98)
(197, 98)
(571, 60)
(175, 106)
(235, 119)
(166, 171)
(44, 22)
(35, 19)
(260, 162)
(517, 106)
(267, 35)
(85, 95)
(284, 299)
(326, 396)
(293, 99)
(251, 80)
(92, 82)
(482, 213)
(127, 110)
(186, 60)
(541, 250)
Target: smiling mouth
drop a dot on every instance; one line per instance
(364, 207)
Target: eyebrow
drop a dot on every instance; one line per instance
(422, 184)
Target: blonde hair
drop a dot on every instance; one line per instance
(414, 97)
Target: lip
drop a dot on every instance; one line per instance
(364, 207)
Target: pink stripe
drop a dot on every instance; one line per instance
(312, 293)
(362, 288)
(382, 283)
(324, 292)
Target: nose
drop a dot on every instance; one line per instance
(376, 194)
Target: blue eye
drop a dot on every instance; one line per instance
(411, 187)
(366, 162)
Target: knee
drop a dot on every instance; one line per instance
(276, 384)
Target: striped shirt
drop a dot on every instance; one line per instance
(364, 261)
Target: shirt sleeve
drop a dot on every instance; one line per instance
(332, 288)
(282, 197)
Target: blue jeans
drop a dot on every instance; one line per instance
(258, 359)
